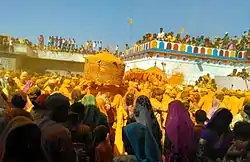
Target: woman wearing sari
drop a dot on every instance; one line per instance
(92, 115)
(216, 138)
(140, 145)
(100, 101)
(144, 114)
(118, 105)
(179, 143)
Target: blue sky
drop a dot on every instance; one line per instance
(107, 20)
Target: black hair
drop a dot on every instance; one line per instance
(129, 99)
(77, 108)
(242, 130)
(220, 121)
(247, 109)
(200, 116)
(100, 133)
(18, 101)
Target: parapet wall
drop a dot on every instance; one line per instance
(187, 49)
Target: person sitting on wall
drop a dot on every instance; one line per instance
(243, 74)
(216, 42)
(161, 35)
(193, 41)
(234, 73)
(226, 40)
(178, 38)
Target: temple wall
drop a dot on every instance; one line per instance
(40, 65)
(22, 62)
(191, 70)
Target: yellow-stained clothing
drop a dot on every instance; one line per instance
(47, 90)
(120, 123)
(234, 105)
(165, 101)
(117, 104)
(29, 106)
(156, 105)
(65, 91)
(241, 103)
(206, 101)
(100, 101)
(145, 92)
(178, 96)
(226, 102)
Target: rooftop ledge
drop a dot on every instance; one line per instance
(184, 50)
(20, 49)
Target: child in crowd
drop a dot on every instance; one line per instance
(103, 149)
(200, 119)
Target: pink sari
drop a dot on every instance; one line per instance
(180, 129)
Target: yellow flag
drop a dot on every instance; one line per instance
(130, 21)
(182, 30)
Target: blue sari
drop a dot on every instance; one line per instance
(143, 143)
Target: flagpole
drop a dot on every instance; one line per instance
(130, 31)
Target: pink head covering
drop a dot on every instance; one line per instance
(27, 86)
(180, 128)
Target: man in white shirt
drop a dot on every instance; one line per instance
(87, 45)
(94, 45)
(161, 35)
(116, 49)
(73, 44)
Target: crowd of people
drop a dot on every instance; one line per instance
(6, 43)
(227, 42)
(243, 74)
(54, 43)
(52, 118)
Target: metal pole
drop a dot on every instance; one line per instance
(130, 33)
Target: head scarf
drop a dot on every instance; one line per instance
(220, 121)
(17, 144)
(92, 115)
(101, 105)
(143, 143)
(179, 128)
(143, 112)
(216, 134)
(89, 100)
(118, 101)
(59, 106)
(76, 114)
(145, 115)
(215, 106)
